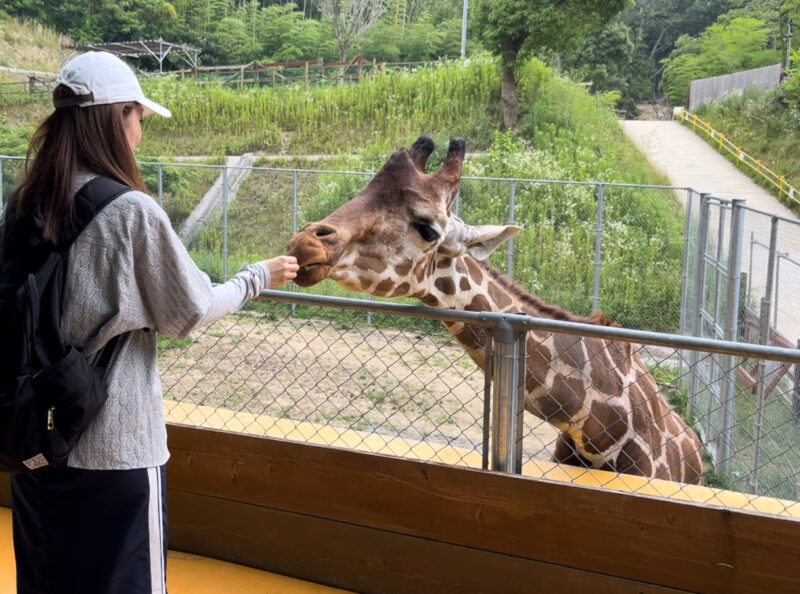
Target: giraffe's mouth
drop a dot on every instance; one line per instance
(312, 273)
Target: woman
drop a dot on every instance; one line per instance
(99, 524)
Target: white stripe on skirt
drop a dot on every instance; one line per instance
(155, 528)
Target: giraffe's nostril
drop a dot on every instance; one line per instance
(324, 231)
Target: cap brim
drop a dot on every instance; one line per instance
(153, 107)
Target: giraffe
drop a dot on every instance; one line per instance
(399, 237)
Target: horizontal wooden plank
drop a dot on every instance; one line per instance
(650, 540)
(365, 559)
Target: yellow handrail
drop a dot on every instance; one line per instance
(779, 181)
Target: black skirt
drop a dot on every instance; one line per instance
(90, 531)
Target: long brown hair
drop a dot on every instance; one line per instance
(70, 140)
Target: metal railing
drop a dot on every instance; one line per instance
(309, 368)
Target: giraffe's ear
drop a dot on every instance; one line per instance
(483, 239)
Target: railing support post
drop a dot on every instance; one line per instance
(598, 246)
(728, 392)
(507, 403)
(225, 223)
(699, 295)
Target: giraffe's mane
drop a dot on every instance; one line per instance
(539, 307)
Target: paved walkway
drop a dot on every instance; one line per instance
(688, 161)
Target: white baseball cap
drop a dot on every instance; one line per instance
(99, 78)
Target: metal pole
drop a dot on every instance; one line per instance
(488, 357)
(777, 284)
(2, 197)
(763, 334)
(796, 391)
(771, 265)
(225, 223)
(506, 448)
(294, 221)
(464, 12)
(728, 392)
(699, 284)
(750, 264)
(598, 246)
(510, 243)
(687, 230)
(160, 185)
(717, 271)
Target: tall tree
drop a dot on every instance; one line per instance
(514, 28)
(350, 20)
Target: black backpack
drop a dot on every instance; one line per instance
(49, 391)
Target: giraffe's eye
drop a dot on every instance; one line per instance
(427, 232)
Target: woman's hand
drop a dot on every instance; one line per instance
(281, 269)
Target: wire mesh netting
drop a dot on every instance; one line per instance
(652, 258)
(402, 386)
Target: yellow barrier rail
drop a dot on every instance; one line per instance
(723, 143)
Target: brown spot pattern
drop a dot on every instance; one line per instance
(500, 297)
(633, 460)
(429, 300)
(471, 337)
(445, 263)
(384, 287)
(403, 268)
(463, 284)
(563, 400)
(367, 263)
(461, 268)
(474, 270)
(402, 289)
(478, 303)
(445, 285)
(605, 426)
(537, 362)
(569, 349)
(604, 378)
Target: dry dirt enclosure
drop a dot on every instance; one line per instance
(374, 380)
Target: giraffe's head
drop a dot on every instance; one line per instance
(388, 239)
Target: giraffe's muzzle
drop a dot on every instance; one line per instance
(312, 257)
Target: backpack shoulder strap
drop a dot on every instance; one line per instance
(90, 200)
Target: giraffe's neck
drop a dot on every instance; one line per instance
(465, 284)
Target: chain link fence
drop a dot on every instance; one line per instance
(713, 269)
(313, 369)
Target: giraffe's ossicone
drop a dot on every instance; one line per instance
(399, 237)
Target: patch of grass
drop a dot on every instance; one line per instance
(165, 343)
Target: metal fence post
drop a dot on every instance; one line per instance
(510, 243)
(778, 257)
(161, 185)
(294, 219)
(757, 425)
(687, 230)
(699, 292)
(488, 372)
(796, 391)
(728, 392)
(506, 402)
(771, 265)
(225, 223)
(598, 246)
(2, 196)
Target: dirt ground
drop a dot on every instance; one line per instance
(375, 380)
